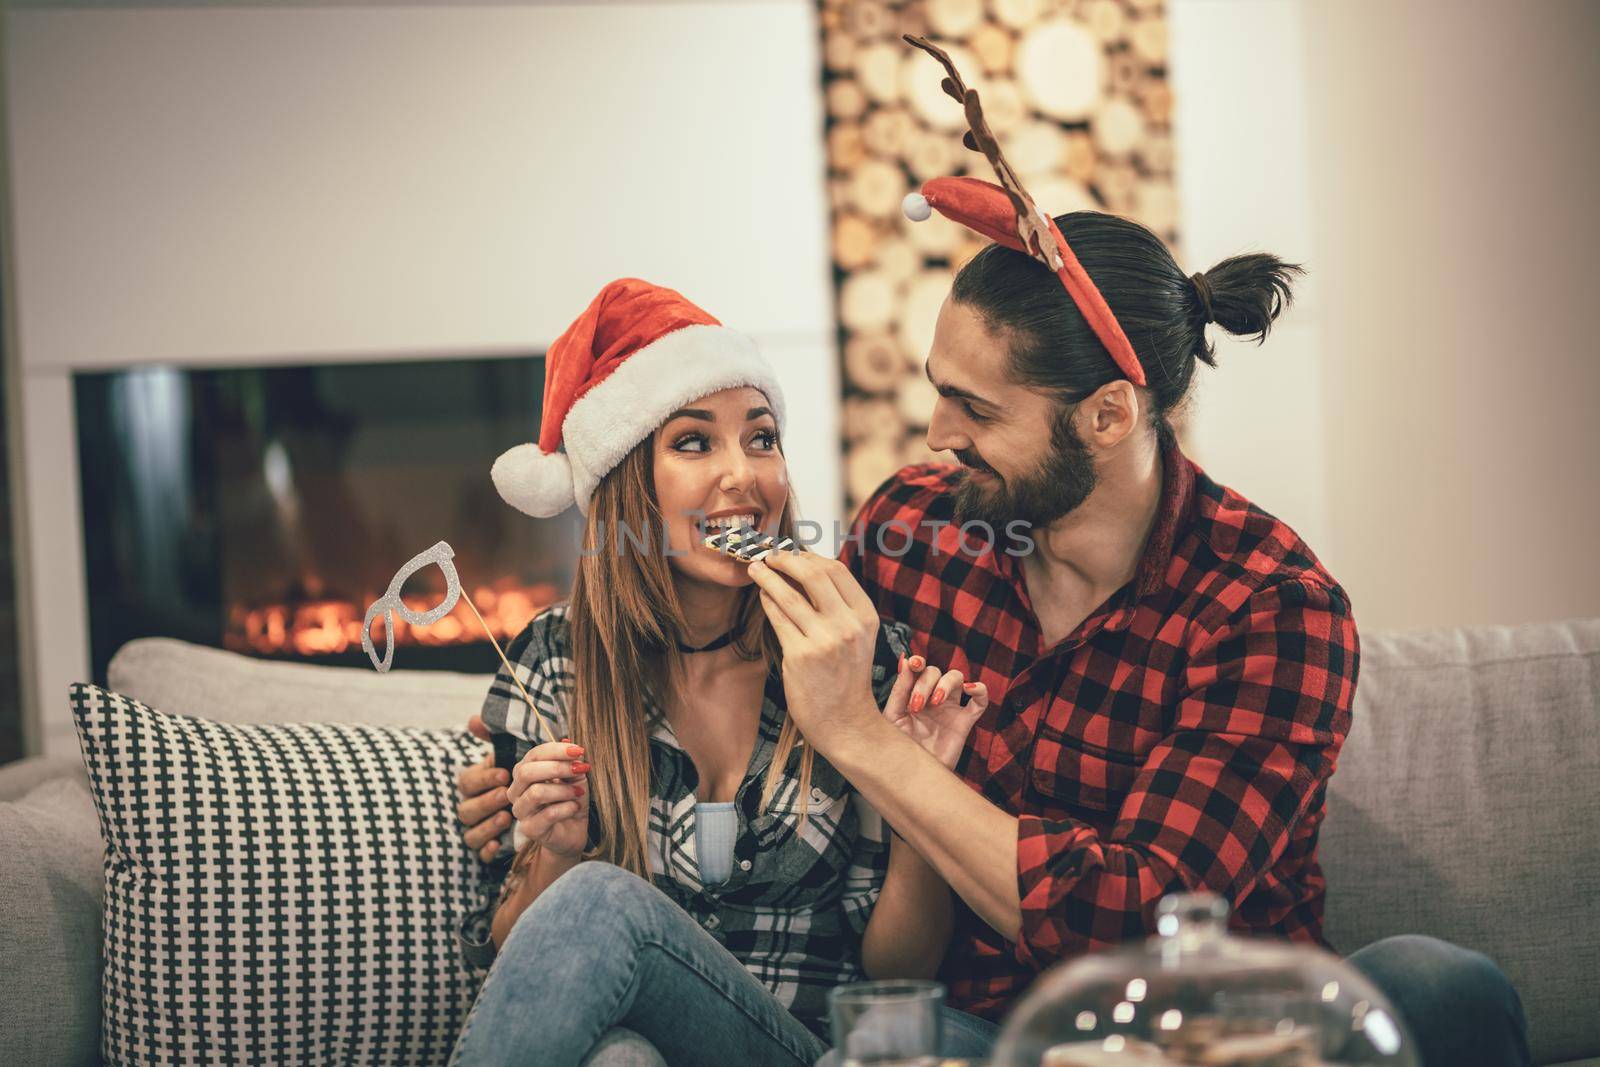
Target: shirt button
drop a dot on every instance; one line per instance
(817, 796)
(712, 922)
(744, 865)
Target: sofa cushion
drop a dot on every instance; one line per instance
(19, 779)
(1464, 807)
(277, 893)
(50, 881)
(185, 679)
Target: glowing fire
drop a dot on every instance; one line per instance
(325, 627)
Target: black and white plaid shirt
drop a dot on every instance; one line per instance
(796, 903)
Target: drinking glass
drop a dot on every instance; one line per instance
(887, 1024)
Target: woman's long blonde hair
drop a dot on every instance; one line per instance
(625, 624)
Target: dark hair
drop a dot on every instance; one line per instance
(1163, 312)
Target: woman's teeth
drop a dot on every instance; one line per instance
(730, 522)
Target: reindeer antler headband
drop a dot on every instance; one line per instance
(1007, 215)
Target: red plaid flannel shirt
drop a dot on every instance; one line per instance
(1181, 737)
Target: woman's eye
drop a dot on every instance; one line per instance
(765, 440)
(691, 442)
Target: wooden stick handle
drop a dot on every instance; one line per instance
(467, 599)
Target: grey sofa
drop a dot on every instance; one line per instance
(1464, 806)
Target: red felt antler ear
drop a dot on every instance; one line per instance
(1005, 213)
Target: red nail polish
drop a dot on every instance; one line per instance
(566, 739)
(916, 702)
(577, 790)
(574, 751)
(969, 687)
(938, 696)
(902, 664)
(918, 663)
(580, 768)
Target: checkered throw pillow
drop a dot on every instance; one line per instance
(277, 894)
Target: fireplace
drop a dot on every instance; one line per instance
(263, 509)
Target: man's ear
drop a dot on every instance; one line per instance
(1109, 415)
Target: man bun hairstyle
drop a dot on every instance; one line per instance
(1163, 312)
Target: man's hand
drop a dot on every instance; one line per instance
(829, 630)
(484, 800)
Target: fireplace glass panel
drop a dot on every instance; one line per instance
(263, 509)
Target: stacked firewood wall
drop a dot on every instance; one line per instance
(1077, 93)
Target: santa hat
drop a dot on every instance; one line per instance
(638, 353)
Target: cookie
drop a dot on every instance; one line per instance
(747, 544)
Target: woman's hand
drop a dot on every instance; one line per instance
(550, 798)
(925, 704)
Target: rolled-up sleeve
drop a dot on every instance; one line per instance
(1213, 805)
(869, 855)
(869, 864)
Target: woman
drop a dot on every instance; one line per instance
(688, 869)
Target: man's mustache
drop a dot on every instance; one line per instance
(969, 458)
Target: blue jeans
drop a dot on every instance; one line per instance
(1460, 1008)
(604, 969)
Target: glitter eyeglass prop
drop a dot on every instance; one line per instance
(390, 603)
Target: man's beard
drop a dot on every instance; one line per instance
(1062, 480)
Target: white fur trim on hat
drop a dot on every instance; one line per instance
(625, 408)
(533, 482)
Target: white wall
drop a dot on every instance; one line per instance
(259, 185)
(1427, 419)
(1256, 421)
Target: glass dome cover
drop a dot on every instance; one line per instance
(1194, 994)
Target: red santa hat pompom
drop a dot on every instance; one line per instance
(638, 353)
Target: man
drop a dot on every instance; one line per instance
(1172, 670)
